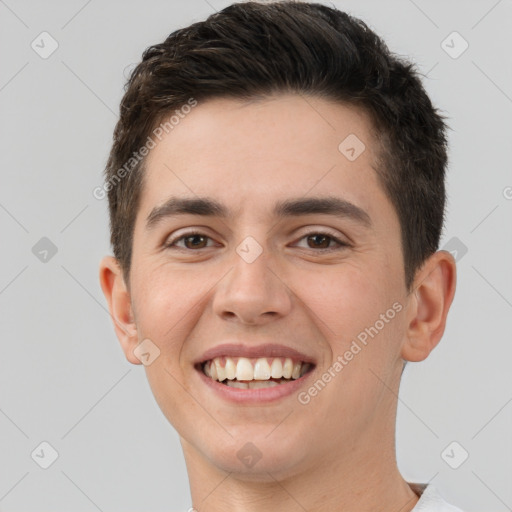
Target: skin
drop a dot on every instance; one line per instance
(338, 451)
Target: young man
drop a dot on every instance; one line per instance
(276, 193)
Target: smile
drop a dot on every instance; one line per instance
(253, 373)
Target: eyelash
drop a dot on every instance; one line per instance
(311, 233)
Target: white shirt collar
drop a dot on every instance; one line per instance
(431, 500)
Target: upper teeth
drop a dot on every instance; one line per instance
(242, 368)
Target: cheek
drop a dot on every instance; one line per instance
(344, 300)
(361, 321)
(168, 305)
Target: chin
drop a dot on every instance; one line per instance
(259, 458)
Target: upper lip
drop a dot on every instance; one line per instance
(254, 351)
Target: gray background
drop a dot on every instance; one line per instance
(63, 377)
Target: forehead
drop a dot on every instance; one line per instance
(252, 155)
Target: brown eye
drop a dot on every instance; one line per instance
(191, 241)
(197, 241)
(320, 241)
(323, 241)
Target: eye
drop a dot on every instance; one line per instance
(322, 239)
(195, 238)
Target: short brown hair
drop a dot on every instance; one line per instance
(251, 50)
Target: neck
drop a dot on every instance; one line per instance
(341, 482)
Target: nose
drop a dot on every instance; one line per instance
(252, 293)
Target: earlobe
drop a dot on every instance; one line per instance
(119, 304)
(434, 289)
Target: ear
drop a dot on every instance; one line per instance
(119, 304)
(430, 300)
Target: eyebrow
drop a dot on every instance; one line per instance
(209, 207)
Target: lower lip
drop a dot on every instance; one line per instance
(252, 396)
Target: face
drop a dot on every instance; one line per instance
(274, 272)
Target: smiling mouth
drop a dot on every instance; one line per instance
(252, 373)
